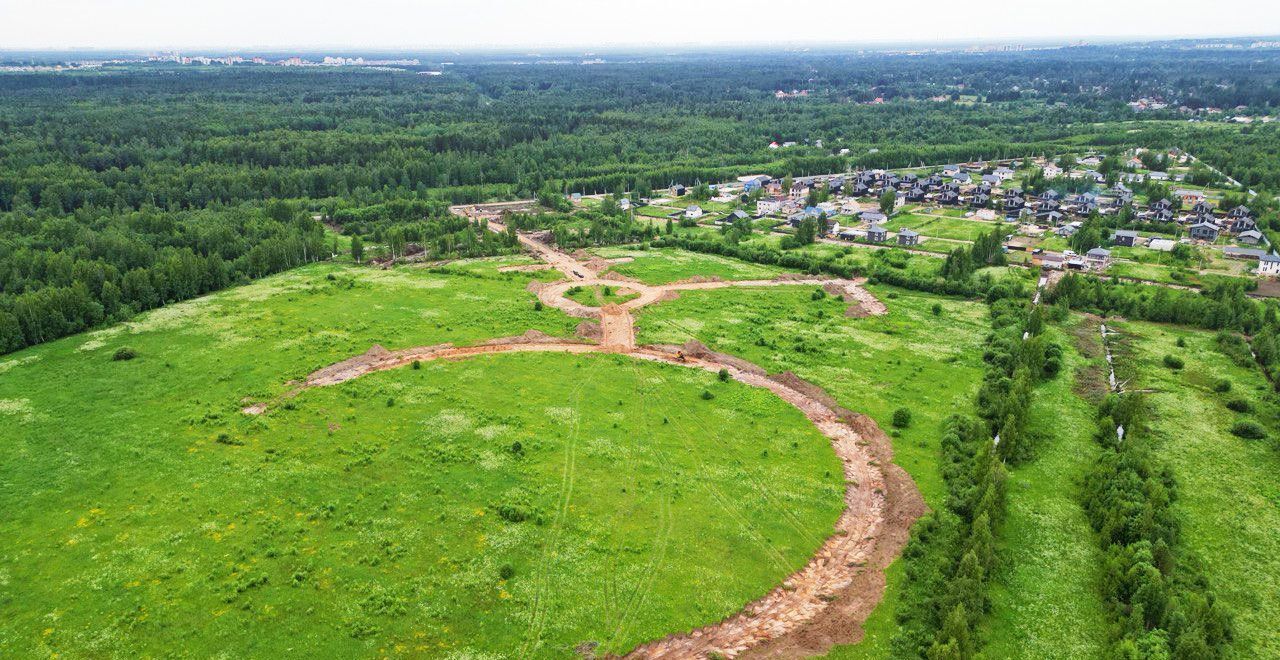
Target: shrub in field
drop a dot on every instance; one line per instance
(1222, 385)
(124, 353)
(537, 306)
(723, 375)
(417, 364)
(936, 309)
(1173, 362)
(902, 418)
(1240, 405)
(507, 572)
(1249, 430)
(707, 395)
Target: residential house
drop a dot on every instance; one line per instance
(1250, 237)
(963, 177)
(1125, 237)
(693, 212)
(916, 194)
(624, 203)
(872, 216)
(979, 200)
(1051, 171)
(1247, 254)
(1162, 244)
(1203, 231)
(1052, 260)
(1269, 265)
(767, 206)
(1242, 225)
(1189, 196)
(1051, 195)
(991, 179)
(1158, 176)
(1004, 173)
(949, 197)
(950, 170)
(795, 219)
(876, 233)
(907, 238)
(1240, 212)
(1161, 205)
(1098, 258)
(1202, 208)
(678, 190)
(1089, 161)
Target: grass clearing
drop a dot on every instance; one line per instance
(601, 295)
(1228, 487)
(148, 513)
(670, 265)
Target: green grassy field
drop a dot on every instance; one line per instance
(907, 358)
(1228, 488)
(669, 265)
(598, 296)
(147, 513)
(1051, 568)
(955, 228)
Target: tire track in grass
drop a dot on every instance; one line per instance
(538, 614)
(758, 485)
(661, 543)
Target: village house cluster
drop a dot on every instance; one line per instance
(851, 208)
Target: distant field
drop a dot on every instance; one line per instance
(145, 512)
(669, 265)
(1228, 487)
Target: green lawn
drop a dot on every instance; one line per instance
(669, 265)
(1228, 488)
(146, 513)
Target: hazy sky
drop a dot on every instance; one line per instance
(429, 24)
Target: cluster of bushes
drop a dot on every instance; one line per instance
(1018, 358)
(1159, 603)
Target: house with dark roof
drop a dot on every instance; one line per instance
(1125, 237)
(962, 177)
(1269, 265)
(907, 238)
(991, 179)
(1240, 212)
(1242, 224)
(1203, 231)
(1098, 258)
(949, 197)
(876, 233)
(916, 194)
(979, 200)
(872, 216)
(1251, 237)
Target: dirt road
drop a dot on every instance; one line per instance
(827, 600)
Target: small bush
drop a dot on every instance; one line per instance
(417, 364)
(1182, 343)
(391, 403)
(1223, 385)
(537, 306)
(507, 572)
(1173, 362)
(902, 418)
(936, 309)
(1240, 405)
(517, 449)
(124, 353)
(707, 395)
(1249, 430)
(723, 375)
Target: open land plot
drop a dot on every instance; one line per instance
(907, 358)
(394, 511)
(1228, 487)
(954, 228)
(598, 296)
(1053, 560)
(670, 265)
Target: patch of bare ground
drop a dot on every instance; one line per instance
(525, 269)
(589, 330)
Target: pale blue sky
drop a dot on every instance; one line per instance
(429, 24)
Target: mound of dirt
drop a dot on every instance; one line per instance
(698, 279)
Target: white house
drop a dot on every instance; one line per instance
(1269, 265)
(767, 206)
(693, 212)
(624, 203)
(1051, 171)
(1004, 173)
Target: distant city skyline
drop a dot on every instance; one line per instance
(508, 24)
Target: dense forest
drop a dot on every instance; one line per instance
(193, 178)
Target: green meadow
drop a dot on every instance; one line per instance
(1228, 487)
(515, 505)
(670, 265)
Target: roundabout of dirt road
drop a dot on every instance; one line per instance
(827, 600)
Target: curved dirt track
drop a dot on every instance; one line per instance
(827, 600)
